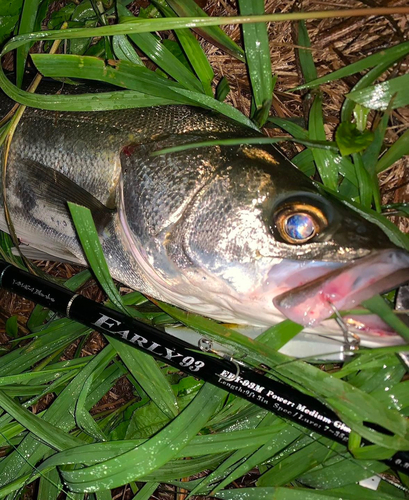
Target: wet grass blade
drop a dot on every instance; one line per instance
(257, 50)
(45, 431)
(391, 93)
(161, 56)
(152, 454)
(364, 82)
(281, 333)
(213, 34)
(305, 55)
(9, 16)
(341, 472)
(123, 49)
(120, 73)
(305, 162)
(125, 74)
(88, 236)
(151, 25)
(209, 444)
(364, 180)
(270, 449)
(289, 126)
(146, 492)
(145, 370)
(222, 89)
(371, 154)
(325, 145)
(192, 48)
(324, 161)
(300, 462)
(398, 149)
(27, 25)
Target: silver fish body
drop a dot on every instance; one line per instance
(235, 233)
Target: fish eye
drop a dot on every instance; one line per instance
(298, 223)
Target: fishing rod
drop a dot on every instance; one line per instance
(226, 373)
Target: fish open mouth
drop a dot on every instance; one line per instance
(345, 287)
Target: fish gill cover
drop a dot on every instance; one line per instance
(106, 407)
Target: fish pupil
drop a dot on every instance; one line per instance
(300, 226)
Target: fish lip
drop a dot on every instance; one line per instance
(345, 287)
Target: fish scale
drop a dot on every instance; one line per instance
(74, 142)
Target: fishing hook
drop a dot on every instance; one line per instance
(351, 340)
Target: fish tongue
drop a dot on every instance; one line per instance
(345, 287)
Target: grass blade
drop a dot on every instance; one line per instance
(290, 127)
(326, 145)
(192, 48)
(371, 155)
(123, 49)
(257, 51)
(27, 23)
(213, 34)
(157, 451)
(145, 370)
(391, 93)
(387, 56)
(324, 160)
(364, 180)
(150, 25)
(123, 74)
(365, 81)
(395, 152)
(162, 57)
(84, 224)
(305, 55)
(44, 430)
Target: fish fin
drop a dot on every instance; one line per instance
(58, 254)
(48, 184)
(37, 200)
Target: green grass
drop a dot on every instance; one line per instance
(177, 427)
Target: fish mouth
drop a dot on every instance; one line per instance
(345, 287)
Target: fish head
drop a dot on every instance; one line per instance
(253, 239)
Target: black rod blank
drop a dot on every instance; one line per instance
(241, 381)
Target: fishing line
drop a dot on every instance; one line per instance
(351, 340)
(238, 379)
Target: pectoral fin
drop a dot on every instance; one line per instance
(37, 199)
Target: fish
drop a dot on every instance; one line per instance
(234, 233)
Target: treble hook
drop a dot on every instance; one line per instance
(351, 340)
